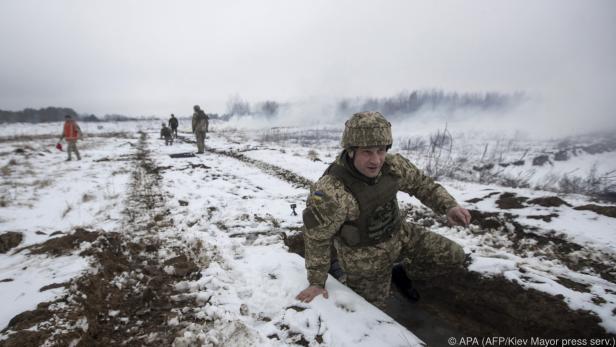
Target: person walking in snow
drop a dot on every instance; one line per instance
(173, 124)
(200, 124)
(165, 132)
(71, 132)
(354, 206)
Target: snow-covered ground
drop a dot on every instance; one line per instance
(236, 213)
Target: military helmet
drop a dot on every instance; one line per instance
(196, 107)
(366, 129)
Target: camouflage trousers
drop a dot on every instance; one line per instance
(72, 147)
(424, 255)
(200, 135)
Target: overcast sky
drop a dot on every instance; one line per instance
(157, 57)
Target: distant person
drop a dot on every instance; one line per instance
(355, 206)
(200, 124)
(173, 124)
(165, 132)
(71, 132)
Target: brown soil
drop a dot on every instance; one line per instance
(548, 201)
(550, 245)
(486, 220)
(544, 217)
(481, 306)
(10, 240)
(474, 200)
(509, 201)
(609, 211)
(64, 244)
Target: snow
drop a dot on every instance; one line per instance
(48, 195)
(237, 213)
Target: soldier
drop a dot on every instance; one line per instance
(71, 132)
(166, 133)
(200, 124)
(354, 205)
(173, 124)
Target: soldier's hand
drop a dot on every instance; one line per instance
(310, 293)
(458, 216)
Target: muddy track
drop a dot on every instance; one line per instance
(286, 175)
(130, 299)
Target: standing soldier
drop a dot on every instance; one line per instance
(200, 124)
(173, 124)
(71, 132)
(354, 205)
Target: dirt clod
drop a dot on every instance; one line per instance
(543, 217)
(510, 201)
(541, 160)
(486, 220)
(54, 285)
(609, 211)
(64, 244)
(10, 240)
(548, 201)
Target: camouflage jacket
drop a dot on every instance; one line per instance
(332, 204)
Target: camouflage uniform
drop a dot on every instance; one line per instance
(200, 124)
(331, 205)
(165, 132)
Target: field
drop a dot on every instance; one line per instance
(133, 246)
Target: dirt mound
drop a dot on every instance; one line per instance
(486, 220)
(64, 244)
(509, 201)
(10, 240)
(548, 201)
(609, 211)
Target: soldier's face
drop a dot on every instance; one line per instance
(369, 160)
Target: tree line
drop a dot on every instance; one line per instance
(55, 114)
(411, 102)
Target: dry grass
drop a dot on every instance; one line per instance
(68, 209)
(42, 183)
(313, 155)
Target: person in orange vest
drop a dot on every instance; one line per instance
(71, 133)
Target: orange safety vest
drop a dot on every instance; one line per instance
(70, 131)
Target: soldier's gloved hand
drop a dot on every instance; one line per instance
(311, 292)
(458, 216)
